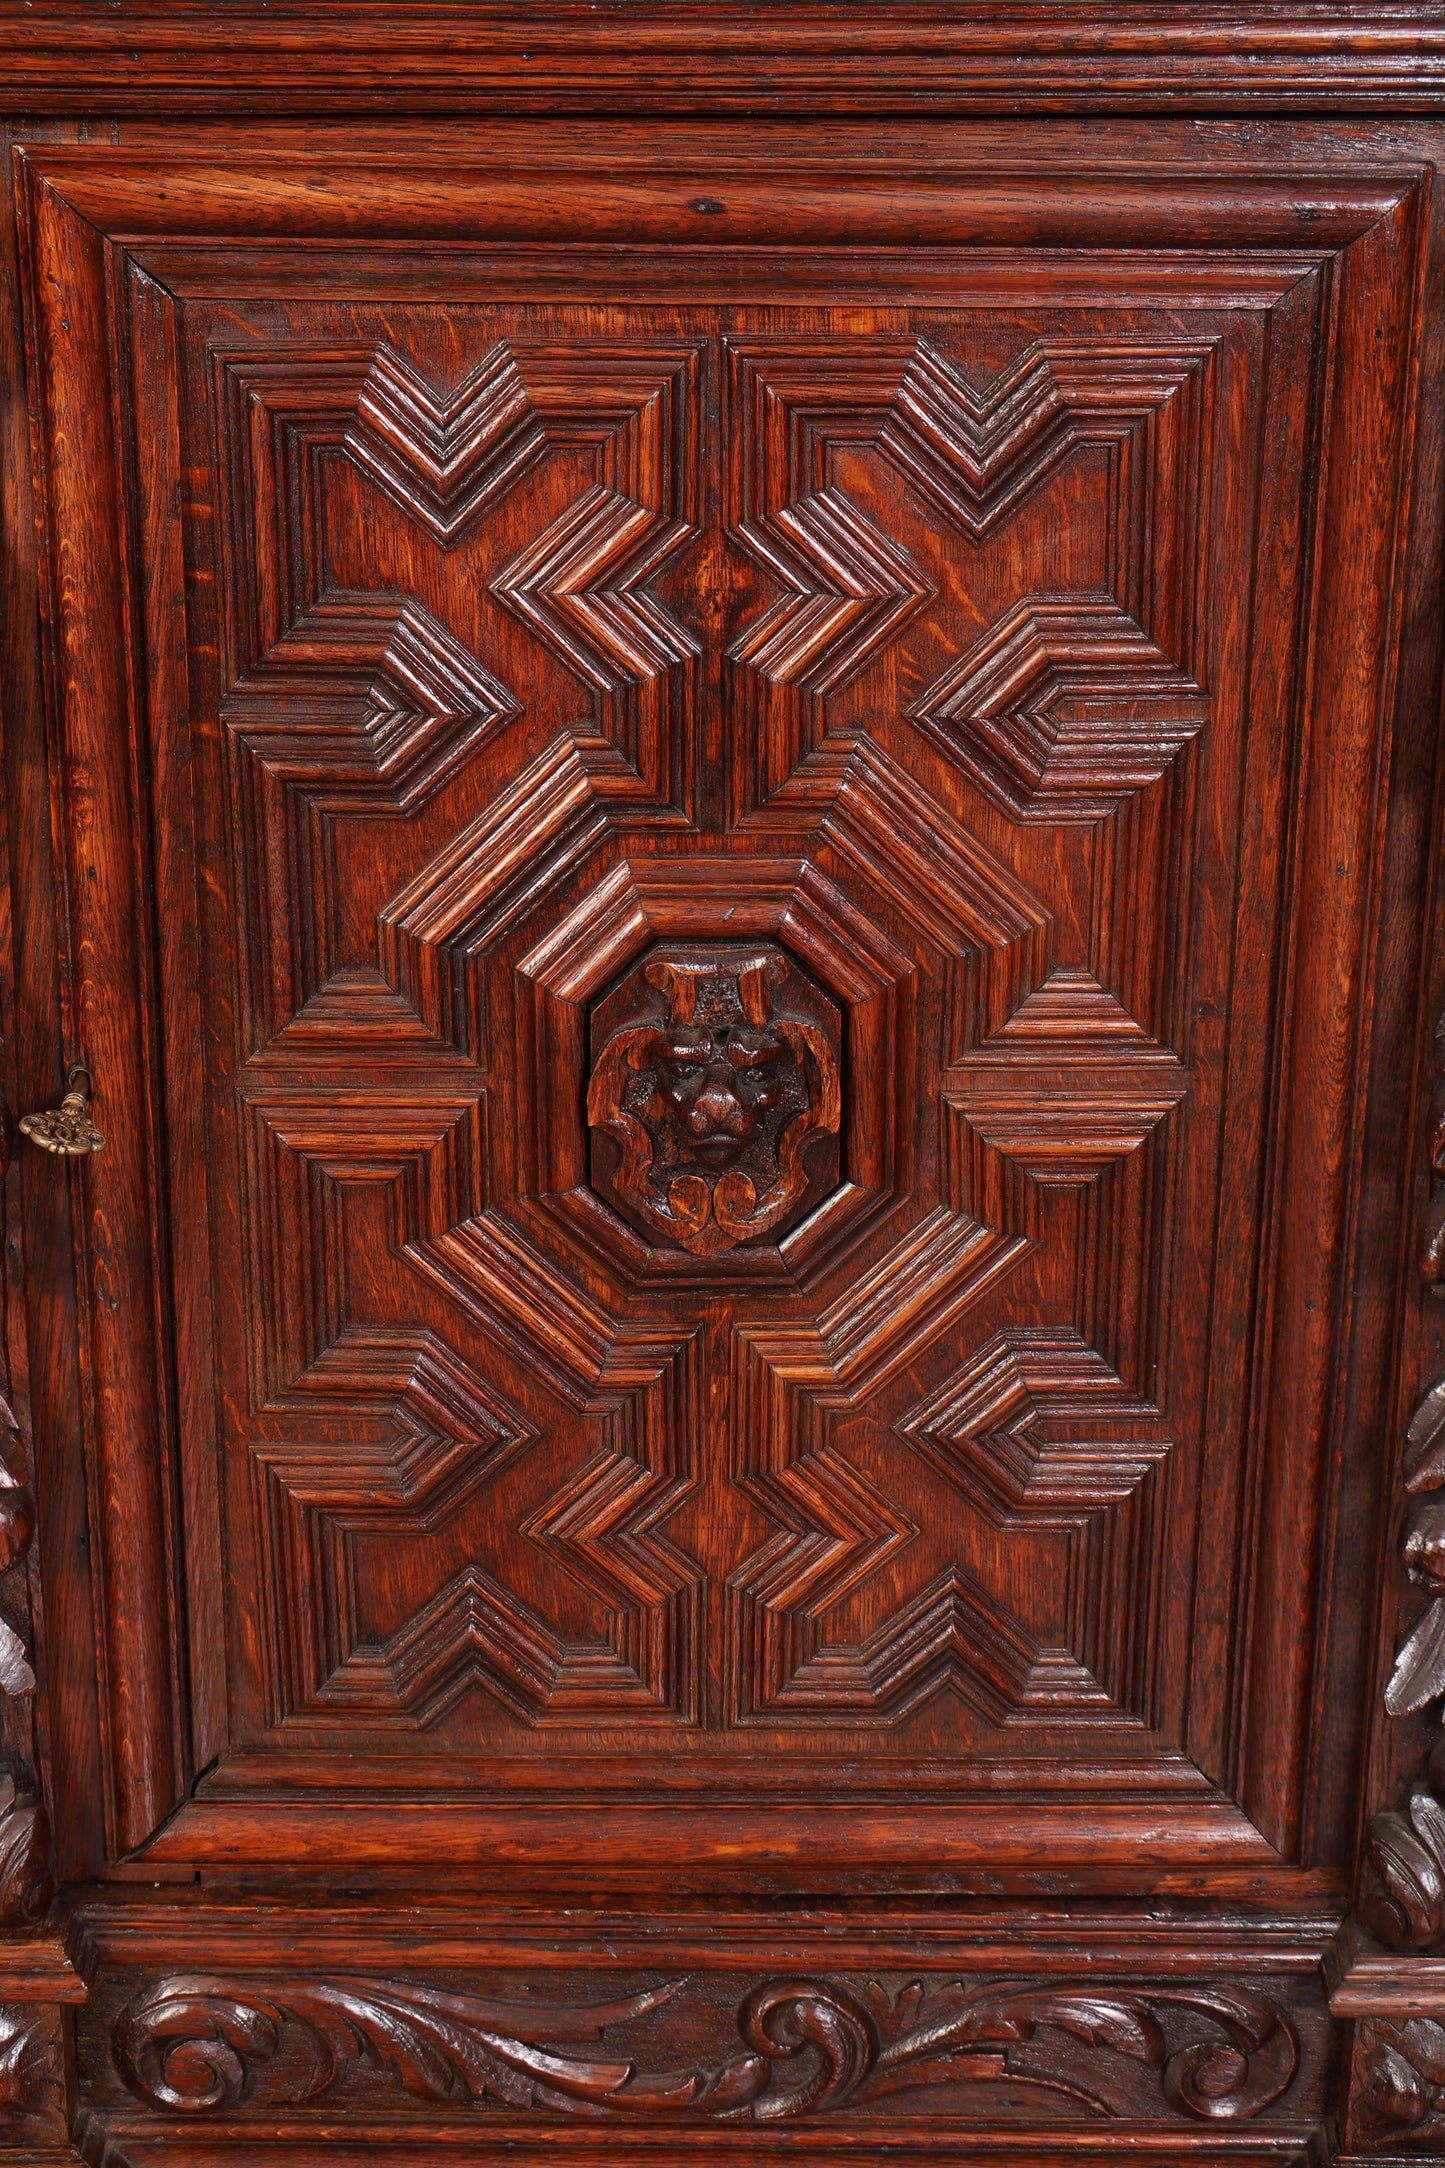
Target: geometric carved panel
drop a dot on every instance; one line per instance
(1087, 709)
(976, 451)
(366, 705)
(711, 558)
(547, 941)
(602, 1529)
(1039, 1433)
(366, 702)
(954, 911)
(476, 1633)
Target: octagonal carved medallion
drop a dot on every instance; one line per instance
(715, 1096)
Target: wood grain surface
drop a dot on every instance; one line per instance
(726, 757)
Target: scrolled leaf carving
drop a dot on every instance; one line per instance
(28, 2058)
(1418, 1675)
(25, 1884)
(787, 2019)
(197, 2043)
(1405, 1905)
(1247, 2064)
(1399, 2090)
(1404, 1900)
(194, 2042)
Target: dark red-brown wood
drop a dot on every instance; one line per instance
(736, 815)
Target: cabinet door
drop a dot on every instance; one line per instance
(721, 798)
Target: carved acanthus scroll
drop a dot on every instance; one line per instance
(714, 1100)
(805, 2046)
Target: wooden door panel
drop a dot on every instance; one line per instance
(757, 855)
(488, 919)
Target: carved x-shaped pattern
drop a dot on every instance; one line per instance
(358, 705)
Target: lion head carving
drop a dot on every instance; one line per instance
(713, 1101)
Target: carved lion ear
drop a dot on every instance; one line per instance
(756, 982)
(825, 1110)
(679, 987)
(628, 1051)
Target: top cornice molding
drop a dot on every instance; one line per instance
(146, 57)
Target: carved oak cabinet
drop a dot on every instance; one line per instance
(725, 1383)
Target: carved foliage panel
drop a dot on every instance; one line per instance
(694, 814)
(694, 2048)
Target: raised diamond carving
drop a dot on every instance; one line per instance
(916, 1291)
(836, 1532)
(1062, 708)
(972, 456)
(335, 1176)
(367, 705)
(847, 589)
(583, 585)
(476, 1633)
(975, 453)
(949, 1637)
(629, 414)
(602, 1528)
(1070, 1083)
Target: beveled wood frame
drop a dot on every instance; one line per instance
(109, 233)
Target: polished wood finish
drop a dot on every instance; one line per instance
(448, 56)
(722, 742)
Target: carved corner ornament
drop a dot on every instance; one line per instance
(197, 2043)
(715, 1098)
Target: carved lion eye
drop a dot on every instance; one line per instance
(685, 1069)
